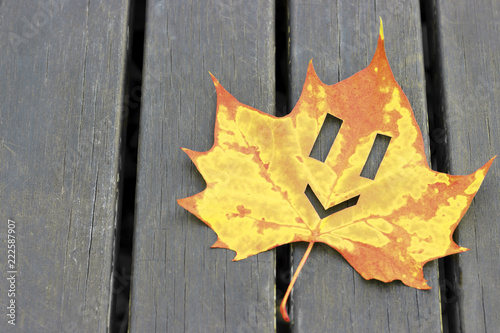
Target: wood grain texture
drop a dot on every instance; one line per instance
(469, 51)
(179, 283)
(62, 69)
(341, 37)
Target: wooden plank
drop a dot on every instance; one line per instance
(469, 54)
(62, 69)
(341, 37)
(179, 284)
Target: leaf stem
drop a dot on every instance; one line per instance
(294, 278)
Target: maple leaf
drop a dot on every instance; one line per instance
(259, 167)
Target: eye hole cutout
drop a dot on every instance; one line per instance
(326, 137)
(376, 156)
(321, 211)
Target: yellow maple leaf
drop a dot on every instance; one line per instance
(259, 167)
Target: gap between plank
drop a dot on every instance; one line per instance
(283, 253)
(439, 153)
(128, 175)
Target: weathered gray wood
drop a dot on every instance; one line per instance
(62, 72)
(469, 54)
(342, 36)
(179, 284)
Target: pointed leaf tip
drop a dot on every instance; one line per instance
(381, 32)
(463, 249)
(219, 244)
(311, 72)
(310, 66)
(187, 151)
(216, 82)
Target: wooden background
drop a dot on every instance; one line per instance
(63, 113)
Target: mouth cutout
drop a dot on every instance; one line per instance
(328, 133)
(321, 211)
